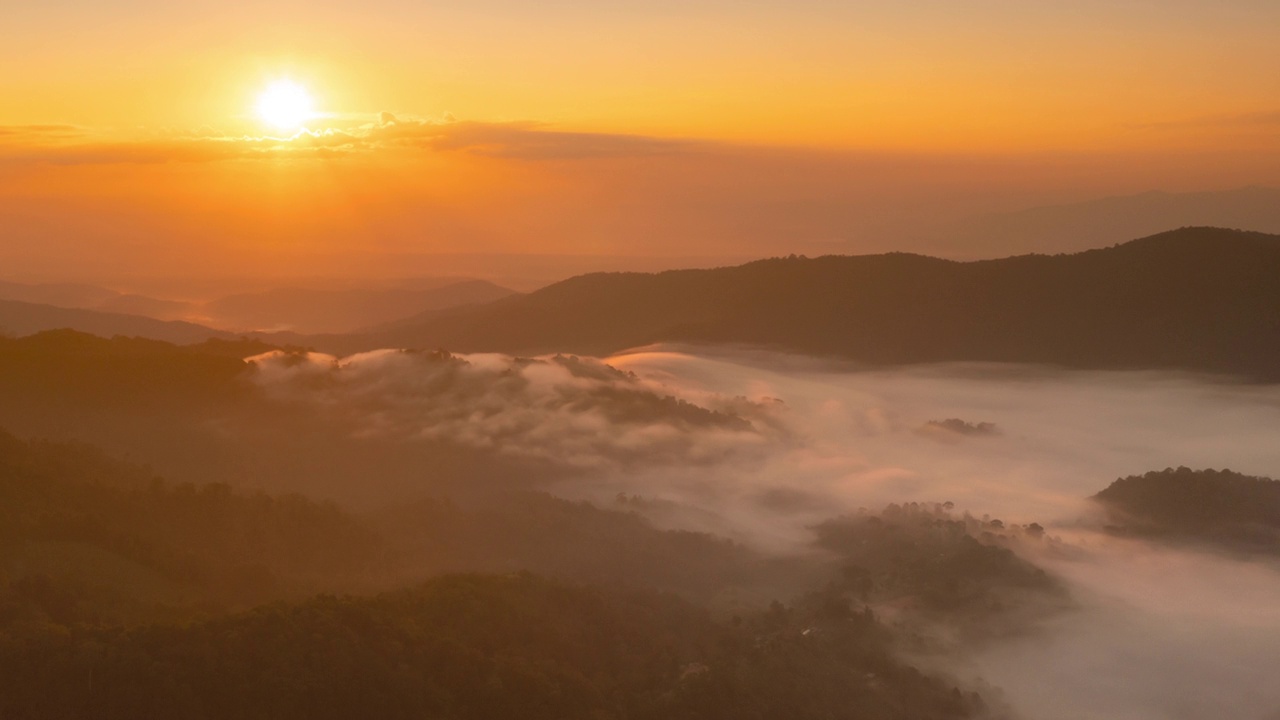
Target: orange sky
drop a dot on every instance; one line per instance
(697, 128)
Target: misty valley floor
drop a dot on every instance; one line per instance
(669, 532)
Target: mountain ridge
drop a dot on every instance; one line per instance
(1198, 299)
(25, 318)
(1112, 307)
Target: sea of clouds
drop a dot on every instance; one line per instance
(760, 446)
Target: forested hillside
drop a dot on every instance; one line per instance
(480, 647)
(123, 595)
(1222, 507)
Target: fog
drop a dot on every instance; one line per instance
(577, 412)
(864, 438)
(1160, 633)
(760, 446)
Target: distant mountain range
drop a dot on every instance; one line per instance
(293, 309)
(1201, 299)
(306, 310)
(24, 318)
(73, 295)
(1098, 223)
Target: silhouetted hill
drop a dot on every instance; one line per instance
(1222, 507)
(24, 318)
(322, 311)
(1200, 299)
(66, 366)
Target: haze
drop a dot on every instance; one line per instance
(696, 360)
(614, 136)
(827, 438)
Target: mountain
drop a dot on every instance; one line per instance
(309, 310)
(132, 304)
(306, 309)
(59, 367)
(1102, 222)
(1201, 299)
(94, 297)
(24, 318)
(60, 294)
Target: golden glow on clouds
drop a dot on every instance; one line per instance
(285, 105)
(598, 127)
(926, 76)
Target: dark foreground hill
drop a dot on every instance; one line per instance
(119, 594)
(1201, 299)
(479, 647)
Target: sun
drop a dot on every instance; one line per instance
(285, 105)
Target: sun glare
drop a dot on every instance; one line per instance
(285, 105)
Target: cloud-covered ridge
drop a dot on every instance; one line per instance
(569, 410)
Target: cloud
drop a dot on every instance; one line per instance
(763, 447)
(816, 438)
(572, 411)
(531, 141)
(67, 145)
(201, 145)
(1161, 635)
(519, 140)
(1159, 632)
